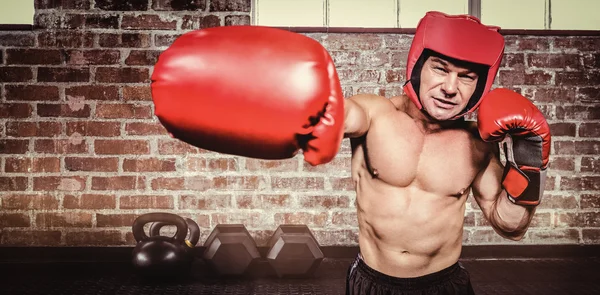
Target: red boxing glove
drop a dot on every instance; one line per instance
(252, 91)
(527, 147)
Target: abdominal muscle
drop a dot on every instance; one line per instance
(405, 231)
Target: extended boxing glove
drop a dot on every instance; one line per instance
(252, 91)
(509, 117)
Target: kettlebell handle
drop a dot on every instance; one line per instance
(192, 227)
(178, 221)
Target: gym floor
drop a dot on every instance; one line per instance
(579, 275)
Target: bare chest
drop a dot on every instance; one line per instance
(396, 152)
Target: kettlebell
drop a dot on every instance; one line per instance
(190, 241)
(161, 256)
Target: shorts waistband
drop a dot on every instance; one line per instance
(416, 282)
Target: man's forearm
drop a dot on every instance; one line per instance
(511, 220)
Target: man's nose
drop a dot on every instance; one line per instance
(450, 85)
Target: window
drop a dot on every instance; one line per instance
(16, 12)
(508, 14)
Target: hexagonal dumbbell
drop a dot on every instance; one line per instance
(230, 249)
(294, 251)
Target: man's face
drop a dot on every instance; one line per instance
(445, 89)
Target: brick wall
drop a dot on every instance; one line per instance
(82, 155)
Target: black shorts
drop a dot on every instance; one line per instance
(363, 280)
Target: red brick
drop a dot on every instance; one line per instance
(577, 112)
(67, 219)
(272, 165)
(126, 40)
(14, 220)
(142, 57)
(353, 42)
(93, 92)
(175, 5)
(100, 21)
(29, 202)
(263, 201)
(587, 78)
(65, 39)
(149, 165)
(60, 146)
(324, 202)
(15, 110)
(124, 111)
(336, 165)
(580, 183)
(115, 183)
(115, 220)
(90, 201)
(205, 202)
(394, 76)
(54, 21)
(168, 183)
(94, 128)
(589, 129)
(577, 147)
(577, 43)
(93, 238)
(237, 20)
(15, 74)
(342, 183)
(63, 110)
(93, 57)
(230, 5)
(554, 60)
(341, 237)
(31, 238)
(33, 56)
(563, 129)
(562, 164)
(513, 60)
(32, 92)
(57, 183)
(137, 93)
(63, 74)
(558, 202)
(297, 183)
(211, 164)
(17, 39)
(398, 59)
(511, 77)
(14, 146)
(119, 5)
(33, 129)
(534, 43)
(121, 147)
(486, 236)
(591, 61)
(165, 40)
(122, 75)
(581, 219)
(591, 236)
(140, 128)
(147, 22)
(344, 219)
(62, 4)
(176, 147)
(91, 164)
(589, 164)
(588, 94)
(32, 165)
(310, 219)
(551, 95)
(555, 236)
(146, 202)
(589, 201)
(249, 182)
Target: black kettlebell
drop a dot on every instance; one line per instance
(191, 240)
(157, 255)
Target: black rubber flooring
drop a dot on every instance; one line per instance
(538, 276)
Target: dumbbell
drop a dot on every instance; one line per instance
(230, 250)
(294, 251)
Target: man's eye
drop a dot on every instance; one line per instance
(440, 69)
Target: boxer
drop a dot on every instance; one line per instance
(415, 159)
(266, 93)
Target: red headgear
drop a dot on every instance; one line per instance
(462, 37)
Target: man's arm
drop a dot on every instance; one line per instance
(359, 110)
(508, 219)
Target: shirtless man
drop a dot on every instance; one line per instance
(268, 93)
(415, 160)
